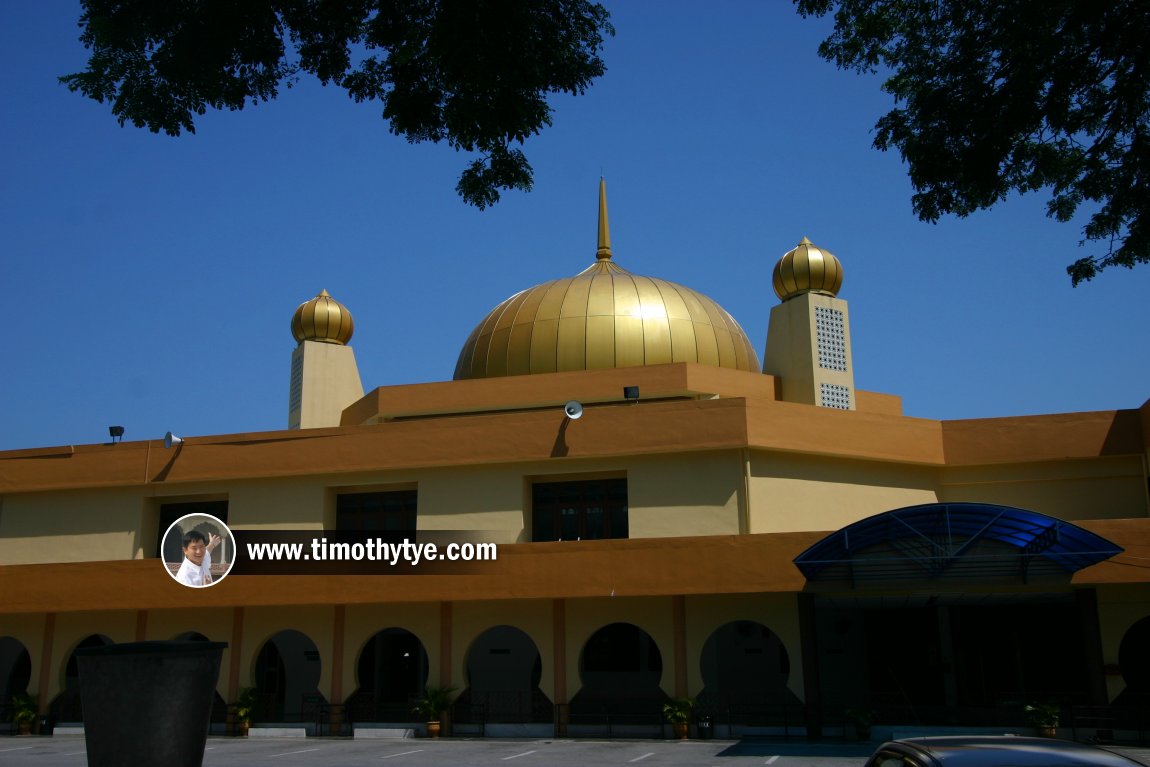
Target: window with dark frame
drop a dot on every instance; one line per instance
(591, 509)
(379, 511)
(170, 512)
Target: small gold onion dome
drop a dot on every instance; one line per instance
(807, 269)
(322, 319)
(603, 317)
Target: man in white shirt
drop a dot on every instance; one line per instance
(196, 569)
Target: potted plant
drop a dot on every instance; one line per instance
(863, 718)
(431, 705)
(24, 712)
(1044, 717)
(244, 709)
(678, 713)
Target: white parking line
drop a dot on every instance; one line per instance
(402, 753)
(516, 756)
(641, 758)
(772, 759)
(74, 753)
(18, 748)
(289, 753)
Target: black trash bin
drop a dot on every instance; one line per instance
(703, 725)
(148, 703)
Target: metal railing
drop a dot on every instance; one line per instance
(1100, 724)
(1110, 724)
(609, 721)
(501, 707)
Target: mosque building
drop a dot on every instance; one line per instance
(674, 517)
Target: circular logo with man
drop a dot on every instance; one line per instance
(198, 550)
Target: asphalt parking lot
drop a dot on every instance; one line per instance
(68, 751)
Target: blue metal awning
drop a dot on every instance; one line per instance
(954, 540)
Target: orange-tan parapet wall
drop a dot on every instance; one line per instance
(685, 407)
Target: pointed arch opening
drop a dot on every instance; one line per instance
(503, 670)
(391, 672)
(66, 706)
(15, 672)
(287, 671)
(621, 667)
(745, 669)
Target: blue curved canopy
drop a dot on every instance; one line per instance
(969, 540)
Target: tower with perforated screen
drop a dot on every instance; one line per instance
(809, 340)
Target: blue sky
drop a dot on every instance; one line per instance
(151, 280)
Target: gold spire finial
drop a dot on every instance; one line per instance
(807, 268)
(604, 251)
(322, 319)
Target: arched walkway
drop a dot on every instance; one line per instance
(745, 669)
(287, 679)
(503, 672)
(15, 672)
(219, 705)
(15, 667)
(66, 707)
(391, 673)
(620, 667)
(1134, 660)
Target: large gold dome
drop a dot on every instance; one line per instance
(603, 317)
(322, 319)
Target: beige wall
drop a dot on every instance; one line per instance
(78, 526)
(1105, 488)
(328, 380)
(99, 525)
(670, 495)
(792, 492)
(675, 495)
(474, 498)
(286, 504)
(685, 494)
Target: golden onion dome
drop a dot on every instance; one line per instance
(322, 319)
(807, 269)
(603, 317)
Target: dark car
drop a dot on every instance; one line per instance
(992, 751)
